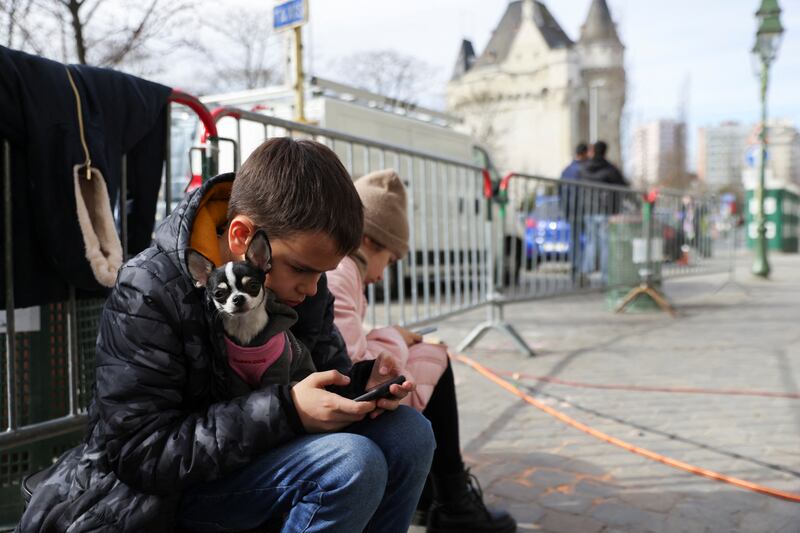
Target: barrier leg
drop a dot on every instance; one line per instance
(731, 281)
(495, 321)
(645, 289)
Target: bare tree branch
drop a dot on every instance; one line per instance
(88, 19)
(251, 63)
(115, 56)
(388, 73)
(115, 33)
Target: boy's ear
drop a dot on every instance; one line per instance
(259, 252)
(200, 267)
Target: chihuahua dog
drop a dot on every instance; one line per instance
(237, 289)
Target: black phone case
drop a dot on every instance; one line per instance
(380, 391)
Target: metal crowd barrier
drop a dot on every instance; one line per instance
(445, 272)
(47, 368)
(549, 238)
(694, 242)
(538, 237)
(556, 237)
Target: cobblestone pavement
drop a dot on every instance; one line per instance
(555, 478)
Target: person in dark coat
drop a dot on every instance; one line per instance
(599, 170)
(171, 443)
(573, 170)
(605, 201)
(571, 200)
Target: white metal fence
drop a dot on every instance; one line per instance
(536, 237)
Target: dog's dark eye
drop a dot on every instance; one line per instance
(253, 287)
(219, 294)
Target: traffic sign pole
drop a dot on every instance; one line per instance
(299, 83)
(291, 15)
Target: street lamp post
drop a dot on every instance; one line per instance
(768, 38)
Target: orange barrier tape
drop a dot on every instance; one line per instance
(640, 388)
(793, 497)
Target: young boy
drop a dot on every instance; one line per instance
(170, 444)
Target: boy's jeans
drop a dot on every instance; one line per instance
(368, 477)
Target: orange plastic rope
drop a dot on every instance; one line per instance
(640, 388)
(790, 496)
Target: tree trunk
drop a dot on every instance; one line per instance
(74, 7)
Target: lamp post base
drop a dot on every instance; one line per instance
(760, 263)
(761, 267)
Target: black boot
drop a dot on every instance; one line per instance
(458, 507)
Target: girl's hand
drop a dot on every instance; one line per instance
(385, 368)
(409, 336)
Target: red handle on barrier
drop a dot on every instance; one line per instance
(651, 196)
(216, 115)
(193, 103)
(487, 185)
(506, 179)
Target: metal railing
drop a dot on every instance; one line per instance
(445, 272)
(536, 238)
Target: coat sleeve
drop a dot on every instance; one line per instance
(302, 364)
(316, 330)
(345, 284)
(153, 443)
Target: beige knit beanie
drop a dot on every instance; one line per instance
(385, 219)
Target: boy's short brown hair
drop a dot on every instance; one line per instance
(288, 186)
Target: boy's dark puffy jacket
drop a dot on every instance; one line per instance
(163, 417)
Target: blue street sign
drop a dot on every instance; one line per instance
(753, 156)
(289, 15)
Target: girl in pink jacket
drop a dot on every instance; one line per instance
(451, 501)
(385, 241)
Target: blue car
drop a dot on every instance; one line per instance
(547, 233)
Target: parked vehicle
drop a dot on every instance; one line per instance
(547, 233)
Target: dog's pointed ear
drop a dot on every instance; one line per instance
(259, 252)
(200, 267)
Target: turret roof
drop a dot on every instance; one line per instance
(506, 31)
(599, 26)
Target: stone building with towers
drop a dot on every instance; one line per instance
(533, 93)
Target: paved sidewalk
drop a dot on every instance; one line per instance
(556, 478)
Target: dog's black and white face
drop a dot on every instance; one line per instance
(237, 288)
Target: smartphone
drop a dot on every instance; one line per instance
(426, 330)
(380, 391)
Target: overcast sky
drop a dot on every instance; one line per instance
(669, 43)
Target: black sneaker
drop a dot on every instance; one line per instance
(458, 507)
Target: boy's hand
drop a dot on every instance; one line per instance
(385, 368)
(409, 336)
(322, 411)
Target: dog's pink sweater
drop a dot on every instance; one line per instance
(251, 363)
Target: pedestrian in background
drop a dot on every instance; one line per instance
(573, 170)
(599, 171)
(571, 201)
